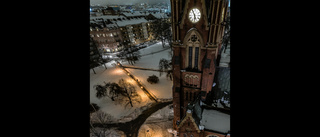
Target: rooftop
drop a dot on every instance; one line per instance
(215, 120)
(105, 17)
(130, 22)
(134, 14)
(159, 15)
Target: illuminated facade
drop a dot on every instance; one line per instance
(197, 27)
(108, 37)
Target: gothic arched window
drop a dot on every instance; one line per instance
(192, 43)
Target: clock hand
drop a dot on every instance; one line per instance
(194, 15)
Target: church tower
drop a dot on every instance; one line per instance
(197, 27)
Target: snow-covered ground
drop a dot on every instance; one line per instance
(162, 89)
(159, 124)
(112, 74)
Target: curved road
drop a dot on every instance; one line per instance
(131, 128)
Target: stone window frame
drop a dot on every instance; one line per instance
(189, 43)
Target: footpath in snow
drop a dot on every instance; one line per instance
(162, 90)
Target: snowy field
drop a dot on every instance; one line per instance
(162, 89)
(159, 124)
(112, 74)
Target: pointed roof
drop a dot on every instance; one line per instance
(193, 121)
(194, 114)
(207, 118)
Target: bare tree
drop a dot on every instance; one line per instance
(110, 89)
(123, 92)
(102, 118)
(129, 92)
(165, 65)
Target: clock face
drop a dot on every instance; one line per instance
(194, 15)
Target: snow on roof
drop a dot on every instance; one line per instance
(215, 120)
(159, 15)
(105, 17)
(224, 78)
(130, 22)
(134, 14)
(111, 25)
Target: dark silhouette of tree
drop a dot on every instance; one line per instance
(123, 92)
(94, 107)
(162, 31)
(165, 66)
(102, 118)
(101, 91)
(226, 36)
(130, 54)
(113, 89)
(153, 79)
(95, 56)
(110, 89)
(129, 92)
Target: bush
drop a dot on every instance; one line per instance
(153, 79)
(94, 107)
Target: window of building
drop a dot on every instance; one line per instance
(190, 57)
(196, 57)
(187, 95)
(193, 50)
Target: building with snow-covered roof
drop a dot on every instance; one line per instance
(107, 35)
(134, 30)
(202, 120)
(135, 14)
(106, 17)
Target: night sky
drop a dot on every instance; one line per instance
(126, 2)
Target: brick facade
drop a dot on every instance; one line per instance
(195, 48)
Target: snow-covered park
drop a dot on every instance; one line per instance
(162, 90)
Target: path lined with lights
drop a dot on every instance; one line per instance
(142, 86)
(133, 67)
